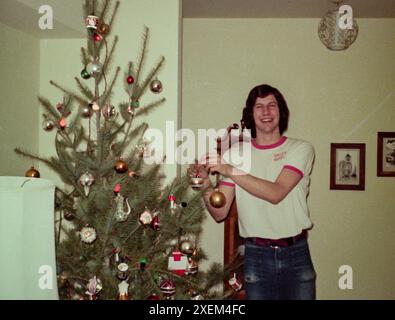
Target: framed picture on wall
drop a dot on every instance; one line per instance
(386, 154)
(347, 166)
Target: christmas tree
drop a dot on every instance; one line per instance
(126, 235)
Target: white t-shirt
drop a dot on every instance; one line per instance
(260, 218)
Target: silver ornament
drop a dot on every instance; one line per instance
(48, 124)
(92, 22)
(122, 273)
(109, 112)
(196, 182)
(146, 217)
(88, 234)
(187, 247)
(94, 68)
(86, 112)
(156, 86)
(120, 214)
(86, 180)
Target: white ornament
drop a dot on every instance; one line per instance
(88, 234)
(178, 263)
(146, 217)
(86, 180)
(123, 287)
(120, 214)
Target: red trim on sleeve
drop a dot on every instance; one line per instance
(294, 170)
(225, 183)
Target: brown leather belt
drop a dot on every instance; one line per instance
(283, 242)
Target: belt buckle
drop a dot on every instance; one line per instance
(274, 246)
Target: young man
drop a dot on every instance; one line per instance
(271, 201)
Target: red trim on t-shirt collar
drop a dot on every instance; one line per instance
(268, 146)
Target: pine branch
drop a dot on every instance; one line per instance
(33, 157)
(75, 96)
(142, 57)
(109, 58)
(85, 89)
(49, 107)
(108, 92)
(149, 108)
(111, 19)
(75, 121)
(104, 10)
(84, 57)
(114, 13)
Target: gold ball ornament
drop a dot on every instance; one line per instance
(217, 199)
(156, 86)
(103, 28)
(121, 166)
(32, 173)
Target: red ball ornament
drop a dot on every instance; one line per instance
(130, 79)
(97, 37)
(117, 188)
(62, 123)
(68, 215)
(154, 297)
(155, 223)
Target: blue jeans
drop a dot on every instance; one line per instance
(279, 273)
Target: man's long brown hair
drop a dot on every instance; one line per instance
(262, 91)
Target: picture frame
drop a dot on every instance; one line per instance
(347, 168)
(386, 154)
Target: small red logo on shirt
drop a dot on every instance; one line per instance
(279, 156)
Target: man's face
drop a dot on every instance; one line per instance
(266, 114)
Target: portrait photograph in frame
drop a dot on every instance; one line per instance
(386, 154)
(347, 169)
